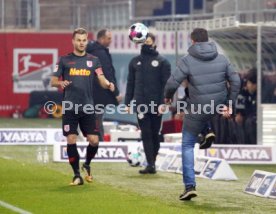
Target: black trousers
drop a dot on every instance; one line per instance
(150, 127)
(251, 130)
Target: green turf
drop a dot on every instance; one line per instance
(40, 189)
(5, 211)
(118, 188)
(30, 123)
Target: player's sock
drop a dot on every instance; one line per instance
(74, 158)
(91, 151)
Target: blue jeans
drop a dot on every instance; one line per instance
(188, 143)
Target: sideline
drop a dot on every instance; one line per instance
(13, 208)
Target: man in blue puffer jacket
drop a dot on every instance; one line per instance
(208, 74)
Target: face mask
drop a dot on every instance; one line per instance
(147, 48)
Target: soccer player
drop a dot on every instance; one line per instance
(78, 69)
(148, 74)
(207, 73)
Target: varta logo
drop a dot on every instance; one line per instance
(79, 72)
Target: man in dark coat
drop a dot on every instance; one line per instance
(148, 74)
(207, 73)
(102, 96)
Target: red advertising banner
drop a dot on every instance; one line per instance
(26, 62)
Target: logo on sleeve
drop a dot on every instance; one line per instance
(89, 64)
(66, 128)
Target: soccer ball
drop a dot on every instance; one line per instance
(134, 158)
(138, 33)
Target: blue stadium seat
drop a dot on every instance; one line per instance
(182, 7)
(166, 10)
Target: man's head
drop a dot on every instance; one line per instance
(251, 84)
(150, 40)
(79, 40)
(104, 37)
(199, 35)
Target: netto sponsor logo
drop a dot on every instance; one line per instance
(79, 72)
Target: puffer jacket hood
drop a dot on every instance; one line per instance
(204, 51)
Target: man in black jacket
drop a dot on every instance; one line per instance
(207, 73)
(148, 74)
(102, 96)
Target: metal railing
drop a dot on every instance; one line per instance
(111, 15)
(209, 24)
(29, 14)
(264, 15)
(19, 14)
(64, 16)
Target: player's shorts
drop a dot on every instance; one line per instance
(87, 123)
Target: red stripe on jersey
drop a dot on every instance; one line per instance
(99, 71)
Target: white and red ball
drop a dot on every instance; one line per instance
(138, 33)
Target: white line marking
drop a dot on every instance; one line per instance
(13, 208)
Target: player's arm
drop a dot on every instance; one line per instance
(103, 81)
(55, 82)
(108, 68)
(57, 73)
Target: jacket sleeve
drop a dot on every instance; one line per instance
(165, 74)
(130, 83)
(181, 73)
(116, 91)
(235, 82)
(89, 48)
(108, 69)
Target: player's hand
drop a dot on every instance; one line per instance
(239, 118)
(127, 110)
(167, 101)
(227, 112)
(162, 109)
(111, 86)
(119, 98)
(65, 83)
